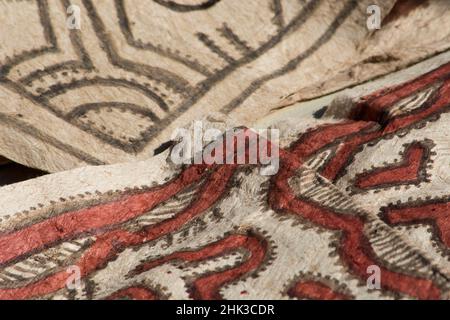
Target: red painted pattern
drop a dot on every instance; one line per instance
(405, 172)
(109, 244)
(314, 290)
(96, 220)
(104, 220)
(436, 213)
(352, 143)
(133, 293)
(207, 287)
(99, 220)
(355, 249)
(374, 106)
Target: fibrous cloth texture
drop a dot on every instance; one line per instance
(116, 88)
(363, 182)
(370, 190)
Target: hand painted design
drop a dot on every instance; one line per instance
(314, 286)
(207, 287)
(79, 76)
(190, 6)
(222, 231)
(410, 170)
(133, 293)
(432, 212)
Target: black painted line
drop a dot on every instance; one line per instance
(277, 9)
(171, 79)
(185, 7)
(234, 39)
(30, 54)
(126, 31)
(214, 48)
(292, 65)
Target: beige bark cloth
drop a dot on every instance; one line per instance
(358, 209)
(116, 89)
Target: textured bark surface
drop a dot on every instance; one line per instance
(350, 194)
(116, 89)
(412, 31)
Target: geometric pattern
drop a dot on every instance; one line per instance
(226, 232)
(114, 92)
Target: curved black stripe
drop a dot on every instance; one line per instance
(39, 73)
(172, 5)
(56, 90)
(82, 109)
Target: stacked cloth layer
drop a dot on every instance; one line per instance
(357, 208)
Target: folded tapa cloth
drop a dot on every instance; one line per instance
(357, 209)
(114, 89)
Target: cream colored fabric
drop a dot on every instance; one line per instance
(116, 89)
(156, 230)
(413, 36)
